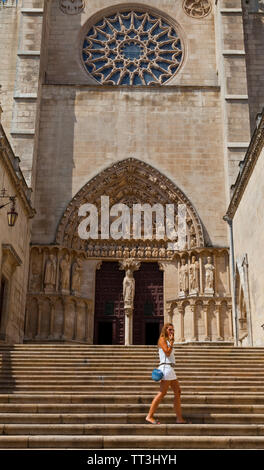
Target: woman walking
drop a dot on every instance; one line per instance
(167, 361)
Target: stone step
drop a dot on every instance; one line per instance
(193, 408)
(86, 368)
(142, 399)
(87, 379)
(127, 418)
(102, 387)
(200, 347)
(131, 442)
(69, 396)
(136, 429)
(127, 355)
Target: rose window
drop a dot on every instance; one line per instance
(132, 48)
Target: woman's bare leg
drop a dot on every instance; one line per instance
(177, 400)
(164, 386)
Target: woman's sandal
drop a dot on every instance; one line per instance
(152, 422)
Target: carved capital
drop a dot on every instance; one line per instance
(129, 263)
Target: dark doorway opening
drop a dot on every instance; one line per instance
(152, 331)
(105, 332)
(109, 319)
(148, 304)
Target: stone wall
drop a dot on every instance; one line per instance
(254, 39)
(14, 246)
(83, 131)
(248, 240)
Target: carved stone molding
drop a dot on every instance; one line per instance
(72, 7)
(129, 182)
(197, 8)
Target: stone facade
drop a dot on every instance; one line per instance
(14, 246)
(83, 132)
(245, 214)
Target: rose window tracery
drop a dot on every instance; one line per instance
(132, 48)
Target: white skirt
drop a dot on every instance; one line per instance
(168, 372)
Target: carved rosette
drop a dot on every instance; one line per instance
(197, 8)
(72, 7)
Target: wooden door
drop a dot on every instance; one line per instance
(148, 315)
(109, 305)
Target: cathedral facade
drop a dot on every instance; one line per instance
(116, 108)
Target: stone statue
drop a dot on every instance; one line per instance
(126, 252)
(184, 277)
(35, 278)
(162, 252)
(65, 273)
(209, 276)
(128, 289)
(194, 276)
(155, 252)
(133, 252)
(76, 276)
(140, 252)
(50, 273)
(148, 252)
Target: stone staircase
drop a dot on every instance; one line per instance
(73, 396)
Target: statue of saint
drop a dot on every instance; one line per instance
(209, 275)
(65, 273)
(128, 289)
(194, 276)
(76, 275)
(50, 273)
(184, 277)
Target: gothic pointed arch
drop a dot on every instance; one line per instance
(129, 181)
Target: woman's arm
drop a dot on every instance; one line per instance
(163, 344)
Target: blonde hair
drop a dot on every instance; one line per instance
(164, 332)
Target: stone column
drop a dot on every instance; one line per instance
(206, 321)
(220, 338)
(52, 313)
(194, 337)
(129, 265)
(231, 336)
(181, 312)
(40, 306)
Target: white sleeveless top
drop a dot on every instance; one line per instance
(166, 359)
(168, 371)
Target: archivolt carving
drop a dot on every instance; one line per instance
(130, 181)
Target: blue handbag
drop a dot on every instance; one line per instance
(157, 375)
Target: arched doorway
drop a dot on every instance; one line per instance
(109, 321)
(148, 305)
